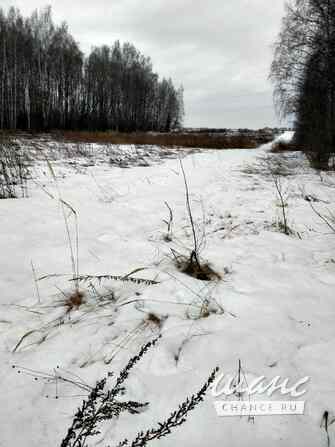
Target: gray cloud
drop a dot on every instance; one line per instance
(219, 50)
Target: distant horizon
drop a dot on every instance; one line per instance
(280, 126)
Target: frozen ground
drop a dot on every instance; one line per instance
(273, 309)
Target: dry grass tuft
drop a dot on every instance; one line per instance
(203, 272)
(155, 320)
(74, 301)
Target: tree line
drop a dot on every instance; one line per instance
(46, 82)
(303, 71)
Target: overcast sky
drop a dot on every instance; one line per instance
(220, 50)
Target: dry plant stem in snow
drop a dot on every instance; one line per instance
(73, 246)
(176, 418)
(283, 204)
(124, 278)
(328, 220)
(38, 295)
(169, 223)
(276, 170)
(195, 252)
(101, 406)
(191, 264)
(325, 423)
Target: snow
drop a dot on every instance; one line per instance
(286, 136)
(273, 309)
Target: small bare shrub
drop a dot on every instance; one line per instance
(276, 168)
(282, 196)
(191, 264)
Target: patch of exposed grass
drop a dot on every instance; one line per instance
(186, 140)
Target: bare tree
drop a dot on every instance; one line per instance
(303, 71)
(46, 82)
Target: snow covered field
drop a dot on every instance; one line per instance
(273, 309)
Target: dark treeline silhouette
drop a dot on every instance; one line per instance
(304, 74)
(47, 83)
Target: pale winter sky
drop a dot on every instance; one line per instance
(220, 50)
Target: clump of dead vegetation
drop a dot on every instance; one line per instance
(91, 297)
(194, 268)
(74, 300)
